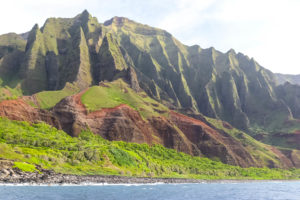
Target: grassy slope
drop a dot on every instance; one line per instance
(259, 150)
(118, 92)
(7, 93)
(12, 40)
(89, 154)
(48, 99)
(45, 99)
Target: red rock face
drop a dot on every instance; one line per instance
(292, 139)
(21, 111)
(179, 132)
(119, 123)
(295, 158)
(185, 134)
(172, 137)
(288, 162)
(213, 143)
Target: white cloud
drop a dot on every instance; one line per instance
(187, 15)
(20, 15)
(267, 30)
(274, 31)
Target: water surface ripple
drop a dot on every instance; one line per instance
(289, 190)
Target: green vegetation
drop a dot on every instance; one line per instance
(43, 145)
(115, 93)
(7, 93)
(25, 167)
(261, 152)
(48, 99)
(12, 40)
(115, 52)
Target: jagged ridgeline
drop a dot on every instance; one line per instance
(82, 51)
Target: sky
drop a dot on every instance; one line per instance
(267, 30)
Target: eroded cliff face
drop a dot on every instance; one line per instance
(177, 131)
(119, 123)
(185, 134)
(213, 143)
(20, 110)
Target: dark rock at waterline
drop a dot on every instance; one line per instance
(12, 175)
(55, 178)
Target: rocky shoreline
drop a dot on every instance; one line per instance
(61, 179)
(55, 178)
(11, 175)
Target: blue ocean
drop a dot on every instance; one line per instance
(289, 190)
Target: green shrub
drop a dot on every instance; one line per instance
(121, 157)
(25, 167)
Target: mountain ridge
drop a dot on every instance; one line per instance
(69, 55)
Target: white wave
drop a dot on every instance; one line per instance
(80, 184)
(143, 184)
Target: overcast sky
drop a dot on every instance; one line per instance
(268, 30)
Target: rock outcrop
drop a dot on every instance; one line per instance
(213, 143)
(20, 110)
(119, 123)
(12, 175)
(177, 131)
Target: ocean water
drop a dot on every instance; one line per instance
(206, 191)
